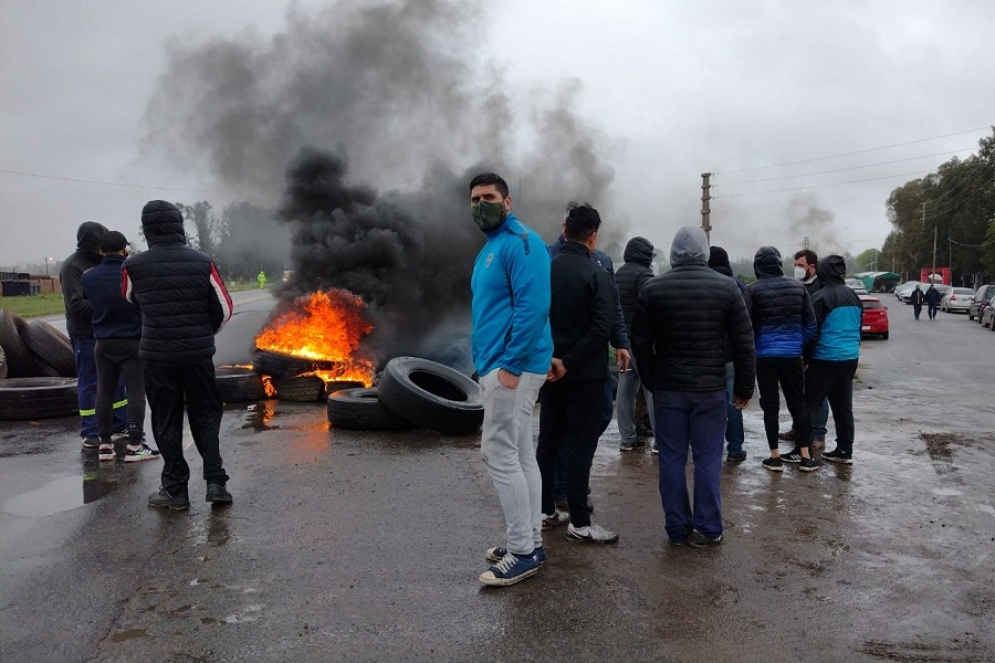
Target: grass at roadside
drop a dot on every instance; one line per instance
(52, 303)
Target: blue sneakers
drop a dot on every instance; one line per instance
(497, 554)
(511, 569)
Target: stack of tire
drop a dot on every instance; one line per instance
(411, 393)
(37, 370)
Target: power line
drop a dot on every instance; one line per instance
(847, 154)
(819, 186)
(117, 184)
(838, 170)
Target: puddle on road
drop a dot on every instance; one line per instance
(130, 634)
(59, 495)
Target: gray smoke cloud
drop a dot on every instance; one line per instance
(367, 123)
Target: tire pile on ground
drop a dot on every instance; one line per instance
(37, 370)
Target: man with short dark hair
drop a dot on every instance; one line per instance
(580, 317)
(117, 328)
(683, 320)
(806, 265)
(184, 305)
(512, 349)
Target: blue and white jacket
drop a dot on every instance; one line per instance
(838, 310)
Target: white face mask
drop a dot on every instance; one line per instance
(800, 273)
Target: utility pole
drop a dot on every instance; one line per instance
(706, 211)
(936, 230)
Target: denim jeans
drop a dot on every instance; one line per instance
(820, 420)
(697, 421)
(507, 447)
(735, 435)
(629, 389)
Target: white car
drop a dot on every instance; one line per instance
(958, 299)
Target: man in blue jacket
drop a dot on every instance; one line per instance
(783, 322)
(512, 350)
(117, 328)
(832, 356)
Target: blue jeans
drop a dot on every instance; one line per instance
(86, 391)
(735, 435)
(696, 421)
(820, 420)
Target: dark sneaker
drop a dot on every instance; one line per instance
(216, 494)
(736, 458)
(563, 505)
(139, 454)
(773, 464)
(787, 436)
(678, 542)
(793, 456)
(178, 502)
(699, 540)
(91, 443)
(591, 534)
(838, 456)
(511, 569)
(499, 553)
(106, 452)
(626, 446)
(809, 465)
(557, 518)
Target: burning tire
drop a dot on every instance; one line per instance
(285, 366)
(361, 409)
(303, 389)
(37, 398)
(51, 348)
(238, 385)
(20, 361)
(431, 395)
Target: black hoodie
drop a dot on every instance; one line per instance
(79, 312)
(633, 275)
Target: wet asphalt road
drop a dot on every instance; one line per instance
(345, 546)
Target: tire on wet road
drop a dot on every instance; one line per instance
(431, 395)
(3, 364)
(302, 388)
(20, 360)
(362, 409)
(278, 365)
(238, 385)
(24, 399)
(51, 348)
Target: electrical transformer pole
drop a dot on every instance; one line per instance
(706, 211)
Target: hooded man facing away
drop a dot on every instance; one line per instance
(832, 356)
(683, 320)
(79, 327)
(631, 278)
(184, 304)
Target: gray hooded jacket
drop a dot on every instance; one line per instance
(684, 319)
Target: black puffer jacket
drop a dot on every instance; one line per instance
(683, 320)
(781, 309)
(183, 299)
(718, 260)
(79, 312)
(633, 275)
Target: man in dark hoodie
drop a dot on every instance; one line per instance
(683, 320)
(832, 356)
(79, 327)
(184, 304)
(630, 278)
(783, 323)
(117, 328)
(718, 260)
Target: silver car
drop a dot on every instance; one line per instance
(958, 299)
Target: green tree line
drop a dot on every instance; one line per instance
(955, 205)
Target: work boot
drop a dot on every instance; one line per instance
(178, 502)
(216, 494)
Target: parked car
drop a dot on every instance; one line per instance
(958, 299)
(874, 318)
(904, 291)
(986, 317)
(981, 299)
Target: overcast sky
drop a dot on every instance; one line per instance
(672, 90)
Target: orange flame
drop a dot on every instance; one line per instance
(326, 327)
(268, 387)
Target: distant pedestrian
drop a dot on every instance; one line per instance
(917, 298)
(783, 322)
(682, 322)
(117, 329)
(631, 278)
(933, 298)
(184, 304)
(580, 316)
(262, 280)
(79, 327)
(718, 260)
(832, 356)
(512, 348)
